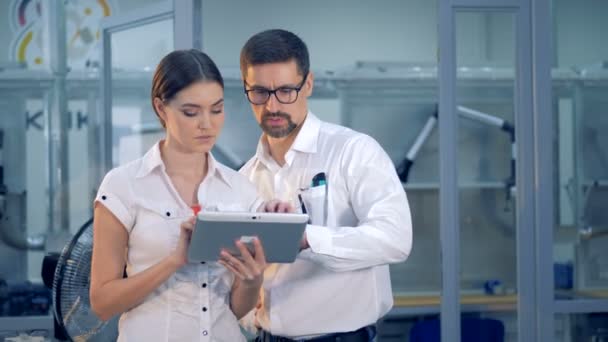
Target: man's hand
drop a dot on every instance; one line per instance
(276, 206)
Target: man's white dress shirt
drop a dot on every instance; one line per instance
(360, 223)
(194, 303)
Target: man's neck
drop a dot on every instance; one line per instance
(278, 147)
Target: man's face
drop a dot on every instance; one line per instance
(279, 120)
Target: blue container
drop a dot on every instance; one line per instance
(562, 275)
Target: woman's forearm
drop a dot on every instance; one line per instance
(243, 298)
(120, 295)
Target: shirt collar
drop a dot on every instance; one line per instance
(306, 140)
(217, 169)
(152, 160)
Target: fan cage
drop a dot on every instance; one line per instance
(71, 302)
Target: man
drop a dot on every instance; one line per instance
(339, 285)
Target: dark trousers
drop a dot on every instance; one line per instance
(365, 334)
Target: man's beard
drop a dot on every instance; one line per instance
(274, 131)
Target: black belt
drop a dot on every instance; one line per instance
(360, 335)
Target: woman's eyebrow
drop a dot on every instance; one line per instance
(187, 104)
(190, 105)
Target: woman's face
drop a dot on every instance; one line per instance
(194, 117)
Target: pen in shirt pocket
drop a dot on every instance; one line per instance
(319, 179)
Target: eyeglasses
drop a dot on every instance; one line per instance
(285, 95)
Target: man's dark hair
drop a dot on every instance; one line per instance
(178, 70)
(275, 46)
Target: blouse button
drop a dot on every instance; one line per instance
(103, 197)
(204, 285)
(205, 332)
(204, 309)
(168, 214)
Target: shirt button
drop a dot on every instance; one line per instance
(204, 285)
(204, 309)
(205, 332)
(168, 214)
(202, 262)
(103, 197)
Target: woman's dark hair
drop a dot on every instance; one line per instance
(178, 70)
(275, 46)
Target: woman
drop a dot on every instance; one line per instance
(144, 220)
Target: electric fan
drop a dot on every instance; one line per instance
(71, 303)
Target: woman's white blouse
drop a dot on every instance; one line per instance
(194, 303)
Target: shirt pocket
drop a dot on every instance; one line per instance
(160, 221)
(315, 203)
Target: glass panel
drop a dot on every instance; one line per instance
(580, 84)
(485, 109)
(592, 327)
(27, 88)
(135, 127)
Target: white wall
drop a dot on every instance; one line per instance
(337, 33)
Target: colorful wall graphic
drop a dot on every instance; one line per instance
(28, 20)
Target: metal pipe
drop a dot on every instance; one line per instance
(3, 189)
(480, 116)
(12, 225)
(57, 122)
(403, 170)
(421, 138)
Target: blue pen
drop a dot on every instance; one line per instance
(319, 179)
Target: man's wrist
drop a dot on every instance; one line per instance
(304, 242)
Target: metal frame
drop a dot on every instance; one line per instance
(110, 26)
(189, 24)
(449, 226)
(57, 122)
(542, 55)
(27, 323)
(525, 178)
(577, 306)
(525, 170)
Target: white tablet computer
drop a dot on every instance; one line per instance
(280, 234)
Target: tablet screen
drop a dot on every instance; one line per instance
(279, 233)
